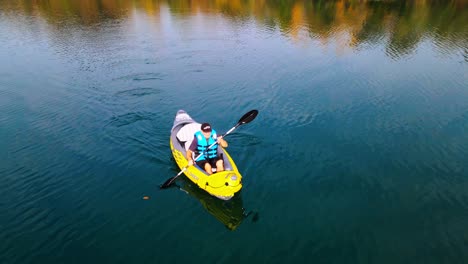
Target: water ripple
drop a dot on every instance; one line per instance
(142, 77)
(138, 92)
(129, 118)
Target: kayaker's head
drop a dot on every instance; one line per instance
(206, 129)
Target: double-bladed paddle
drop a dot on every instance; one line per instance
(248, 117)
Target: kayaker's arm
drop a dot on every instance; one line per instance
(191, 150)
(190, 157)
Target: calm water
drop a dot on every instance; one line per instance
(359, 153)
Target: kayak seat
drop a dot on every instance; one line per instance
(186, 134)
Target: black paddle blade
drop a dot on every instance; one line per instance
(248, 117)
(167, 183)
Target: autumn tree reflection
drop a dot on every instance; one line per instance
(400, 24)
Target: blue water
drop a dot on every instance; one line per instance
(359, 153)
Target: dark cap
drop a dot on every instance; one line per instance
(205, 127)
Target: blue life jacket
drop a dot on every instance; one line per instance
(203, 145)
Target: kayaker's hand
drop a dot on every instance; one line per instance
(222, 142)
(190, 162)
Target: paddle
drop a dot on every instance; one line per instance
(248, 117)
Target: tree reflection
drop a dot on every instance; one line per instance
(401, 25)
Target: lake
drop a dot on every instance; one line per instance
(359, 153)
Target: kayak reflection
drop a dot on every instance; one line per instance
(230, 213)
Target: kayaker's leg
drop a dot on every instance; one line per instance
(220, 165)
(208, 168)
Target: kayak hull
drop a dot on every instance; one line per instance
(222, 185)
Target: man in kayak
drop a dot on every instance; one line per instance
(209, 158)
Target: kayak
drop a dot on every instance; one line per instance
(222, 185)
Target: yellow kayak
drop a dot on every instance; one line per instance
(220, 184)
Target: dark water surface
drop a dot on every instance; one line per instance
(359, 153)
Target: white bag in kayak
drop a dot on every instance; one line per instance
(187, 133)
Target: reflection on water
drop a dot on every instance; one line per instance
(401, 25)
(230, 213)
